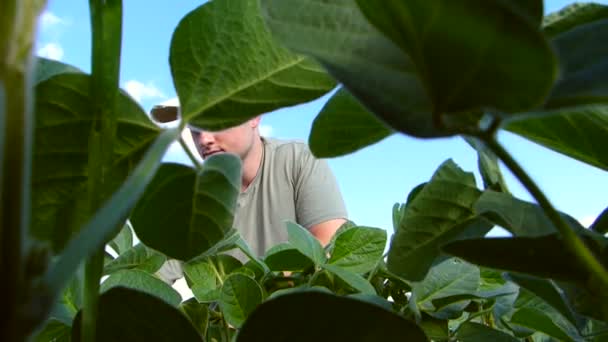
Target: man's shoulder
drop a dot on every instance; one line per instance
(287, 147)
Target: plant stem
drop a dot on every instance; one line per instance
(189, 153)
(574, 244)
(92, 271)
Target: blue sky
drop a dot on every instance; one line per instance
(372, 179)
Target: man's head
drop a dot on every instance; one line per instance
(238, 140)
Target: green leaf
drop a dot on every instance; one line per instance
(46, 68)
(285, 257)
(449, 278)
(571, 16)
(204, 279)
(344, 126)
(491, 44)
(102, 225)
(130, 315)
(197, 313)
(204, 210)
(538, 321)
(476, 332)
(435, 329)
(240, 295)
(487, 162)
(354, 280)
(55, 331)
(137, 257)
(438, 214)
(358, 249)
(519, 217)
(600, 225)
(371, 67)
(123, 241)
(543, 256)
(63, 121)
(548, 291)
(575, 132)
(306, 243)
(328, 318)
(238, 79)
(142, 281)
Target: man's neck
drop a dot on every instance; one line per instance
(252, 163)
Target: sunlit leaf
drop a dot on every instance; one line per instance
(239, 296)
(142, 281)
(123, 240)
(354, 280)
(227, 68)
(358, 249)
(306, 243)
(137, 257)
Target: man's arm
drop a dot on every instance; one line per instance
(324, 231)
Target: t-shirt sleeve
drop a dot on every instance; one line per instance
(317, 194)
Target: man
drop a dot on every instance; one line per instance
(281, 180)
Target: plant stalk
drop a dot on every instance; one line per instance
(574, 244)
(189, 153)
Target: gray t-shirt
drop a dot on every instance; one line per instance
(291, 185)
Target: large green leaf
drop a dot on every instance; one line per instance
(371, 67)
(46, 68)
(197, 313)
(306, 243)
(240, 295)
(137, 257)
(201, 213)
(344, 126)
(476, 332)
(326, 317)
(354, 280)
(227, 68)
(519, 217)
(449, 278)
(129, 315)
(576, 132)
(358, 249)
(544, 256)
(142, 281)
(54, 330)
(538, 321)
(285, 257)
(573, 15)
(491, 45)
(439, 213)
(60, 166)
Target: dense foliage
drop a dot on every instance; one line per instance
(81, 172)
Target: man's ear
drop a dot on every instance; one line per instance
(255, 122)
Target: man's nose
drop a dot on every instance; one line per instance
(207, 138)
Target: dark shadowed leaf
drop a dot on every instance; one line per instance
(60, 165)
(439, 213)
(239, 296)
(491, 44)
(221, 81)
(475, 332)
(328, 318)
(129, 315)
(538, 321)
(197, 313)
(201, 212)
(142, 281)
(573, 15)
(578, 133)
(543, 256)
(435, 329)
(306, 243)
(519, 217)
(285, 257)
(358, 249)
(548, 291)
(344, 126)
(55, 331)
(46, 68)
(354, 280)
(371, 67)
(487, 162)
(450, 278)
(123, 241)
(600, 225)
(137, 257)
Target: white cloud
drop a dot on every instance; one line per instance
(48, 20)
(140, 91)
(51, 51)
(266, 130)
(587, 221)
(171, 102)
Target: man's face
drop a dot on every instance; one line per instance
(237, 140)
